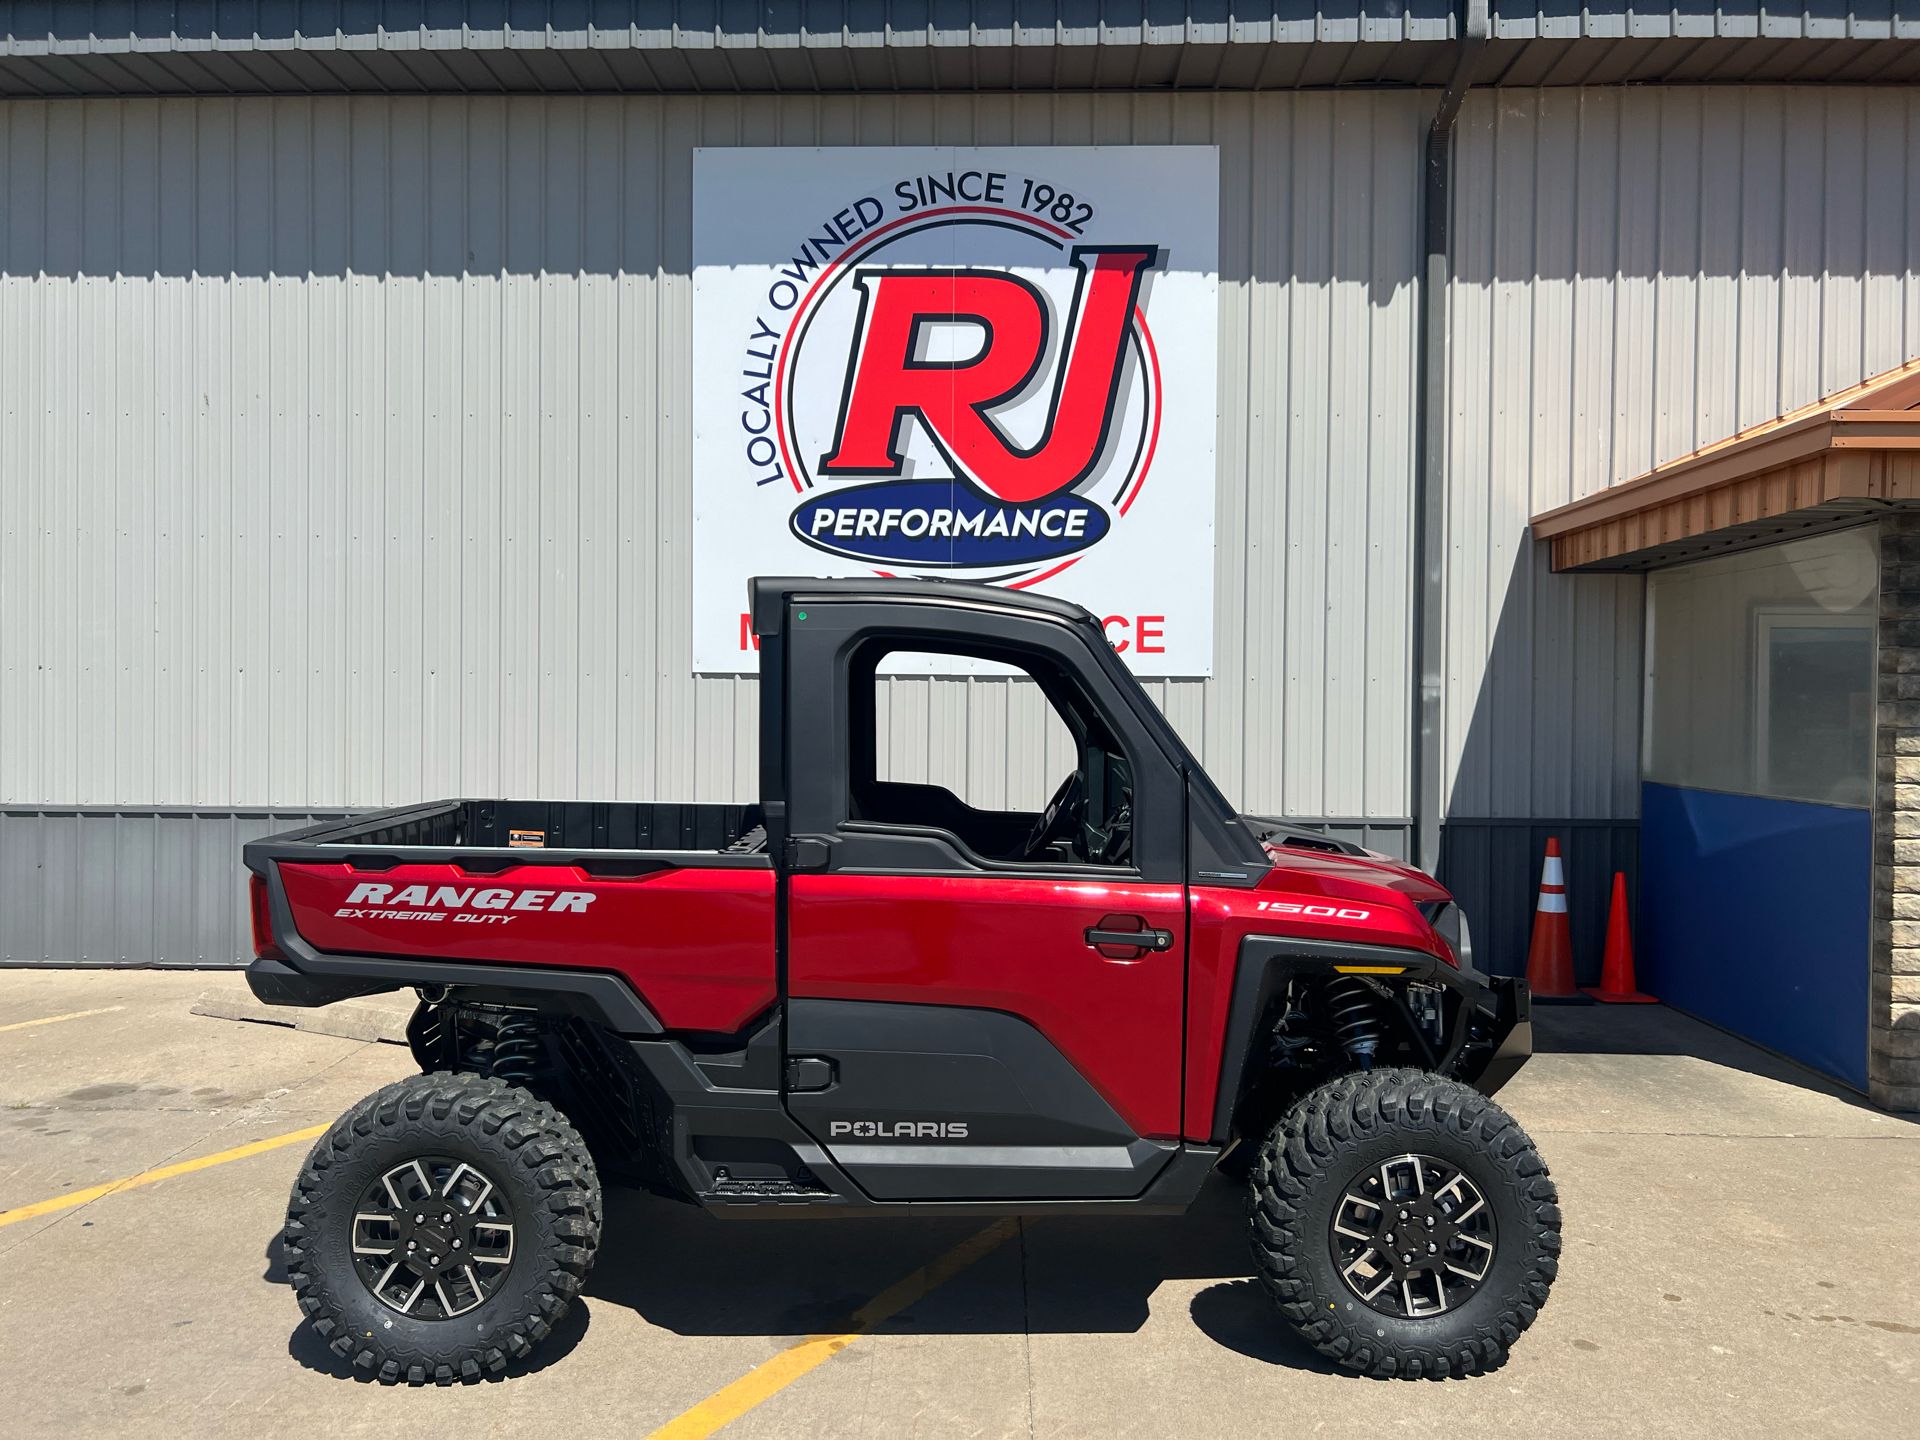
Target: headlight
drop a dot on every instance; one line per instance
(1450, 923)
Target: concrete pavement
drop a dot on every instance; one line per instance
(1739, 1240)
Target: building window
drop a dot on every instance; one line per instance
(1813, 706)
(1760, 671)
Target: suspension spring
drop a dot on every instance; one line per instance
(518, 1050)
(1355, 1023)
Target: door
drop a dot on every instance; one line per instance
(982, 1002)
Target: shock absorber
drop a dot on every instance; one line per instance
(1355, 1024)
(518, 1050)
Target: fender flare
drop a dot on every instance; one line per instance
(316, 979)
(1266, 962)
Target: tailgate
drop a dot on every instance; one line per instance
(696, 943)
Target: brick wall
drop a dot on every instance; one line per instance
(1893, 1054)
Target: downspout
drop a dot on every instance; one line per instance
(1430, 440)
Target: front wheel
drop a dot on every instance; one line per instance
(1404, 1225)
(441, 1227)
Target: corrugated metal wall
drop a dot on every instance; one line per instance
(141, 887)
(344, 448)
(1639, 272)
(344, 451)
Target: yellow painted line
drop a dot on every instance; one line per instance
(768, 1379)
(1371, 969)
(154, 1177)
(56, 1019)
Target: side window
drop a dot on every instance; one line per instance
(993, 737)
(1013, 761)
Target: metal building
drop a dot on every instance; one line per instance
(344, 396)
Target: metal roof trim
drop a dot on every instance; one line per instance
(106, 47)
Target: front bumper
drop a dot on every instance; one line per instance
(1497, 1033)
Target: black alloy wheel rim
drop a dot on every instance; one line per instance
(1413, 1237)
(432, 1238)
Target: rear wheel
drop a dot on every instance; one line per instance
(441, 1228)
(1404, 1224)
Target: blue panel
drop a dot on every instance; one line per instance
(1754, 916)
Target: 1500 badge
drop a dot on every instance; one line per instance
(1314, 912)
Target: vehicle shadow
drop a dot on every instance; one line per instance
(689, 1273)
(1238, 1315)
(686, 1272)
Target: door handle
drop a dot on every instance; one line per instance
(1142, 939)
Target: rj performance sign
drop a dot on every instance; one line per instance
(986, 364)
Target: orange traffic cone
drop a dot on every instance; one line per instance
(1616, 971)
(1550, 956)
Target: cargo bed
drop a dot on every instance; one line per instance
(649, 915)
(534, 825)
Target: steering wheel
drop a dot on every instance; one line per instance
(1114, 845)
(1061, 818)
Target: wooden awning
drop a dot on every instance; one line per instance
(1816, 468)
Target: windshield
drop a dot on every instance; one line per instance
(1200, 784)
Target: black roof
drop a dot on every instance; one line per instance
(767, 595)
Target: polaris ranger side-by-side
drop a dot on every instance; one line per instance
(864, 996)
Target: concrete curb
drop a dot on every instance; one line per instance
(384, 1021)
